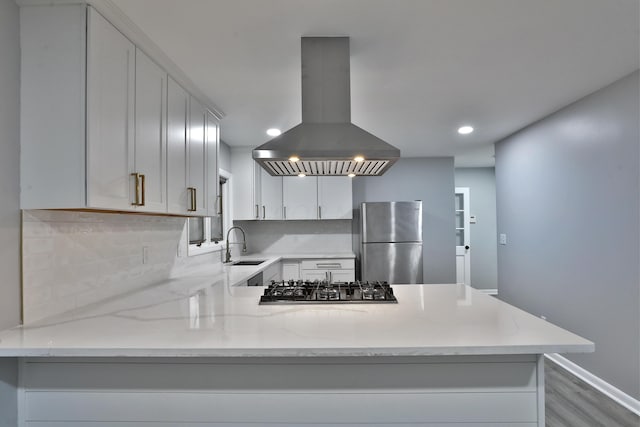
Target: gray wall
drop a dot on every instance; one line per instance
(483, 235)
(568, 200)
(10, 198)
(432, 181)
(225, 157)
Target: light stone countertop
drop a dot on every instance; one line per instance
(203, 314)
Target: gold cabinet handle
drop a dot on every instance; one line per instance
(143, 189)
(192, 196)
(219, 200)
(257, 212)
(136, 200)
(264, 212)
(284, 212)
(319, 212)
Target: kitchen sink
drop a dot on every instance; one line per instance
(247, 262)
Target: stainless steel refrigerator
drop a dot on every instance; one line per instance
(391, 235)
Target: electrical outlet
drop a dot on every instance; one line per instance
(145, 254)
(503, 239)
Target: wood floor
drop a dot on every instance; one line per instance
(570, 402)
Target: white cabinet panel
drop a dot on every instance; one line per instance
(213, 176)
(300, 197)
(271, 196)
(290, 270)
(197, 157)
(335, 197)
(177, 119)
(246, 178)
(110, 115)
(150, 142)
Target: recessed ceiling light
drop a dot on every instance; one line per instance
(351, 175)
(358, 159)
(294, 158)
(273, 132)
(465, 130)
(301, 175)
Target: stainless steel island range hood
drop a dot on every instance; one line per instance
(326, 142)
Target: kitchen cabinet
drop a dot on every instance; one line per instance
(271, 196)
(335, 200)
(150, 135)
(273, 272)
(300, 197)
(177, 142)
(335, 270)
(108, 134)
(291, 270)
(214, 199)
(245, 185)
(197, 158)
(111, 70)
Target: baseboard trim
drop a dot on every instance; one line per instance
(489, 291)
(598, 383)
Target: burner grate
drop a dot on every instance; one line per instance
(323, 292)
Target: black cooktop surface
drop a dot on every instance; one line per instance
(322, 292)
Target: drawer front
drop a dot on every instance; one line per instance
(327, 264)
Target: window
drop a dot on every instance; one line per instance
(206, 234)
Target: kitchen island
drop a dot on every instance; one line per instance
(198, 351)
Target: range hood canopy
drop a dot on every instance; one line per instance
(326, 142)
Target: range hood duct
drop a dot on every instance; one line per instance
(326, 142)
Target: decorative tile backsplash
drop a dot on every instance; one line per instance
(72, 259)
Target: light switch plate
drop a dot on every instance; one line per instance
(503, 239)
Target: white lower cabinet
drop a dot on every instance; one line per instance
(290, 270)
(335, 270)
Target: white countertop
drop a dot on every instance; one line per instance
(204, 315)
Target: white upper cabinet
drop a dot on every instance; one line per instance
(110, 116)
(245, 185)
(177, 120)
(214, 199)
(197, 157)
(258, 195)
(270, 196)
(150, 165)
(103, 126)
(335, 197)
(300, 197)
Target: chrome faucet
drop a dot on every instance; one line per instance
(227, 257)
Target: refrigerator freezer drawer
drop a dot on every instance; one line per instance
(393, 262)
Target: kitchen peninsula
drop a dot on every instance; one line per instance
(199, 350)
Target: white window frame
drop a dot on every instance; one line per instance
(208, 245)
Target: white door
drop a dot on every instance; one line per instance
(334, 197)
(463, 246)
(213, 177)
(150, 149)
(177, 119)
(110, 115)
(197, 157)
(300, 197)
(270, 196)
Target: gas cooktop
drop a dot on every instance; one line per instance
(322, 292)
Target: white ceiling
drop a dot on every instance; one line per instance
(419, 68)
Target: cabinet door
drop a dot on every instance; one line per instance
(334, 197)
(213, 176)
(314, 275)
(246, 185)
(270, 195)
(110, 115)
(177, 120)
(150, 144)
(342, 275)
(197, 157)
(300, 196)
